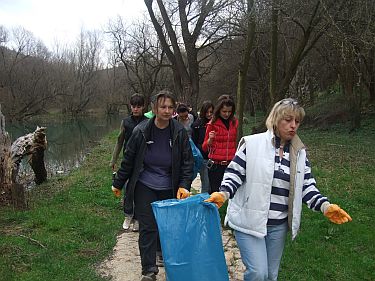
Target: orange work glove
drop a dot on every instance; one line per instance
(218, 198)
(116, 191)
(337, 215)
(182, 193)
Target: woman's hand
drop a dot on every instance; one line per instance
(218, 198)
(182, 193)
(116, 191)
(337, 215)
(211, 136)
(113, 166)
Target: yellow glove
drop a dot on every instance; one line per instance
(182, 193)
(218, 198)
(337, 215)
(116, 191)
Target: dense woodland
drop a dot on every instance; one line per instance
(258, 51)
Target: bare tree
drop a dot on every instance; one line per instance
(352, 36)
(138, 49)
(300, 27)
(185, 29)
(273, 54)
(24, 75)
(244, 65)
(84, 62)
(113, 84)
(32, 145)
(3, 35)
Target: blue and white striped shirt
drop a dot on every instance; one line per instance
(235, 175)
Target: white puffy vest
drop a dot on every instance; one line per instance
(248, 210)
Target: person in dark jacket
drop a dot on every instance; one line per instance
(198, 133)
(137, 103)
(192, 112)
(158, 164)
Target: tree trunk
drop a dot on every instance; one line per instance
(273, 59)
(353, 97)
(372, 92)
(37, 157)
(184, 60)
(32, 145)
(371, 74)
(305, 44)
(10, 192)
(242, 75)
(5, 163)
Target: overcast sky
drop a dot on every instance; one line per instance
(62, 20)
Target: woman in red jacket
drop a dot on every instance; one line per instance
(220, 140)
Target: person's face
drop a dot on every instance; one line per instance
(164, 109)
(183, 116)
(225, 112)
(287, 127)
(136, 110)
(209, 113)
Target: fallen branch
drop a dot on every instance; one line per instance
(33, 240)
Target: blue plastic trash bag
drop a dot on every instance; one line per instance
(198, 158)
(190, 237)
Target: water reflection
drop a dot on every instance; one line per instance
(68, 139)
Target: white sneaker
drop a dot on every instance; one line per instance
(150, 276)
(135, 226)
(127, 222)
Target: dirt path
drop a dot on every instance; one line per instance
(125, 264)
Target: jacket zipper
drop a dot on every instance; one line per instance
(226, 158)
(174, 138)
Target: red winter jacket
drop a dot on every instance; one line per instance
(224, 145)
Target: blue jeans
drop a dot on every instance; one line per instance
(262, 256)
(204, 177)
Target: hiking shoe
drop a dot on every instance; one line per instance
(135, 226)
(150, 276)
(160, 261)
(127, 222)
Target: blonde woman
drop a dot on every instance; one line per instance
(266, 182)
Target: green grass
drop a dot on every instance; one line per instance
(72, 221)
(344, 167)
(70, 226)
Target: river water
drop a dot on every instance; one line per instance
(69, 139)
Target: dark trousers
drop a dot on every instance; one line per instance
(215, 176)
(128, 207)
(148, 231)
